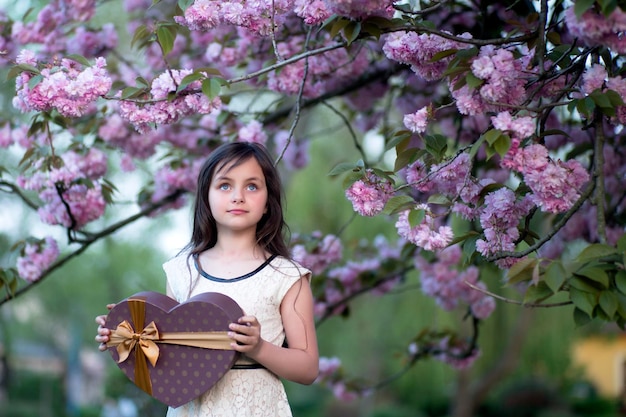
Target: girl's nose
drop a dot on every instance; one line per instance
(236, 196)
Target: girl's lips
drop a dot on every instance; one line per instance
(237, 211)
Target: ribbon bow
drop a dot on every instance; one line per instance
(125, 339)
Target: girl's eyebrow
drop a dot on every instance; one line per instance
(227, 178)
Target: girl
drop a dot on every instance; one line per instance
(237, 248)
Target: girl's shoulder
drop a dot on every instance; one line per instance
(181, 259)
(290, 268)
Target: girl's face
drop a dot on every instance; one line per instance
(238, 197)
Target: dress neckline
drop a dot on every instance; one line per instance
(216, 279)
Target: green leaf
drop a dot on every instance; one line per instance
(184, 4)
(141, 35)
(211, 87)
(166, 35)
(554, 276)
(536, 293)
(398, 203)
(581, 6)
(32, 83)
(459, 239)
(620, 281)
(371, 29)
(476, 146)
(583, 284)
(341, 168)
(469, 248)
(491, 135)
(583, 301)
(467, 53)
(436, 145)
(352, 31)
(439, 199)
(521, 271)
(338, 25)
(586, 106)
(596, 274)
(473, 81)
(407, 157)
(502, 145)
(351, 178)
(80, 59)
(595, 251)
(621, 243)
(581, 318)
(188, 79)
(131, 92)
(614, 98)
(443, 54)
(397, 138)
(608, 303)
(601, 99)
(416, 216)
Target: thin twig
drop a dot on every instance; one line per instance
(511, 301)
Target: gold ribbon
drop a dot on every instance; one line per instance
(144, 342)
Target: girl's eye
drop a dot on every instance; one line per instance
(224, 187)
(252, 187)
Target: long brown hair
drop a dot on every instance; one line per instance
(271, 229)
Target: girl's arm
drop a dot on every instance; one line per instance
(300, 361)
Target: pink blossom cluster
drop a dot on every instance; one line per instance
(68, 88)
(428, 234)
(417, 122)
(330, 375)
(45, 30)
(519, 127)
(449, 177)
(323, 71)
(355, 276)
(161, 109)
(504, 78)
(257, 16)
(313, 12)
(36, 258)
(596, 78)
(370, 194)
(418, 51)
(595, 29)
(91, 43)
(555, 185)
(252, 132)
(361, 9)
(446, 284)
(499, 218)
(115, 132)
(317, 252)
(295, 153)
(169, 179)
(71, 193)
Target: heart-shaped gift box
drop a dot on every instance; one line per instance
(173, 351)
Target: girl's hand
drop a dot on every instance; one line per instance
(103, 333)
(246, 334)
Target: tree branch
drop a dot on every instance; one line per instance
(94, 238)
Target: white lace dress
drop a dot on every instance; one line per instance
(241, 392)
